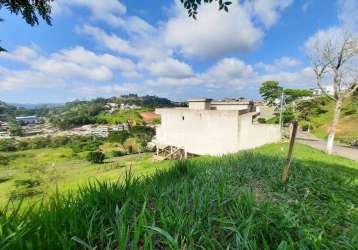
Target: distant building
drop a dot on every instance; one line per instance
(27, 119)
(210, 127)
(329, 89)
(125, 106)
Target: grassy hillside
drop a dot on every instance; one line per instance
(33, 174)
(233, 202)
(347, 129)
(122, 116)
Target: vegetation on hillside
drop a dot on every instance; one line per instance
(231, 202)
(36, 174)
(317, 115)
(79, 113)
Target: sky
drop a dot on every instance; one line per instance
(110, 48)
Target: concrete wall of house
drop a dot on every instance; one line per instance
(212, 132)
(229, 106)
(199, 131)
(255, 135)
(266, 112)
(199, 104)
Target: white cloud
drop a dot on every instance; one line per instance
(348, 14)
(214, 33)
(229, 69)
(21, 54)
(70, 66)
(283, 63)
(111, 11)
(174, 82)
(146, 46)
(89, 59)
(110, 89)
(26, 79)
(169, 68)
(268, 11)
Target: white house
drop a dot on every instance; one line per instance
(27, 119)
(210, 127)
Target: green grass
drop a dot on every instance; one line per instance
(60, 169)
(347, 128)
(232, 202)
(122, 116)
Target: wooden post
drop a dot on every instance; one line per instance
(290, 150)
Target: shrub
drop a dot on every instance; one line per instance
(354, 143)
(261, 120)
(117, 153)
(306, 126)
(4, 160)
(5, 178)
(96, 157)
(27, 183)
(7, 145)
(133, 145)
(118, 136)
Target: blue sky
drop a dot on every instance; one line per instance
(110, 47)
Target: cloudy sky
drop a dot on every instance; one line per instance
(110, 47)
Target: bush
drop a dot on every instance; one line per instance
(4, 160)
(27, 183)
(133, 145)
(7, 145)
(116, 153)
(118, 136)
(354, 143)
(306, 126)
(96, 157)
(261, 120)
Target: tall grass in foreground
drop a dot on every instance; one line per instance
(232, 202)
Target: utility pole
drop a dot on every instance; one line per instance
(281, 109)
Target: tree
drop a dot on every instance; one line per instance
(270, 91)
(192, 5)
(336, 60)
(30, 10)
(15, 129)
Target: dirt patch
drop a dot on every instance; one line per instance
(149, 116)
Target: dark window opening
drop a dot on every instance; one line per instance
(183, 118)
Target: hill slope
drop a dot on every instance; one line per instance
(232, 202)
(320, 117)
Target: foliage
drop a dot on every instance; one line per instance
(30, 10)
(318, 113)
(133, 145)
(4, 160)
(120, 117)
(270, 91)
(15, 129)
(192, 6)
(235, 201)
(7, 145)
(77, 113)
(261, 120)
(143, 133)
(117, 153)
(96, 157)
(313, 107)
(118, 136)
(77, 143)
(294, 94)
